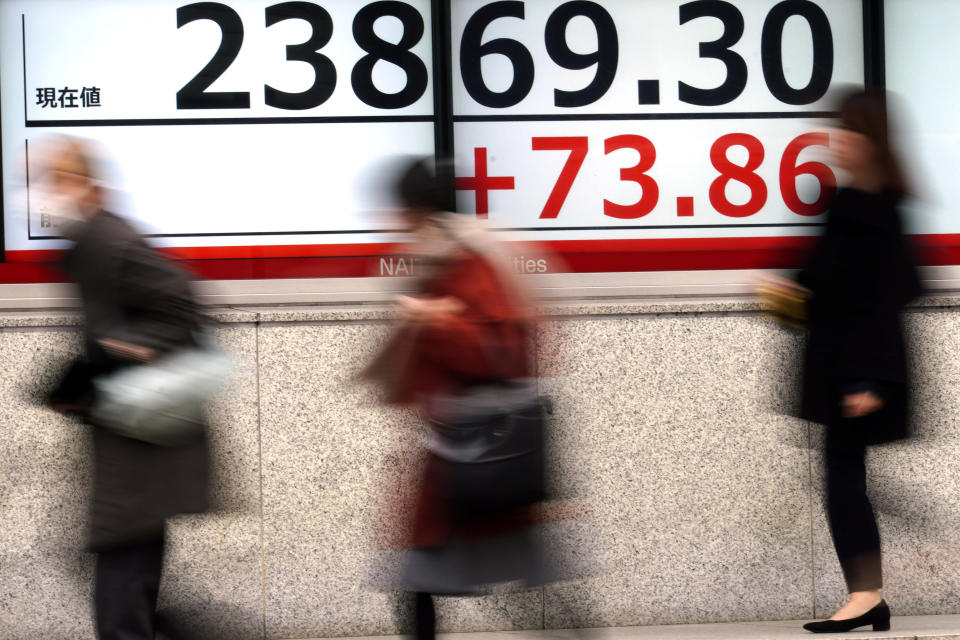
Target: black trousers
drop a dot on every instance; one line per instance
(425, 617)
(852, 522)
(125, 596)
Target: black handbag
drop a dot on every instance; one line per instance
(491, 439)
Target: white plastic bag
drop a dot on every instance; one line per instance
(161, 402)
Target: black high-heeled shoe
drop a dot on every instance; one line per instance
(879, 617)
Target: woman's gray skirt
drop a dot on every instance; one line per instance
(470, 567)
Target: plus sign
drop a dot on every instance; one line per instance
(482, 183)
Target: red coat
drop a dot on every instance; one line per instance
(486, 342)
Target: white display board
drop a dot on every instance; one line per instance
(227, 124)
(250, 128)
(922, 67)
(650, 119)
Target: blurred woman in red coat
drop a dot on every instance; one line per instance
(462, 346)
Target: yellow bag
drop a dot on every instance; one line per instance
(786, 306)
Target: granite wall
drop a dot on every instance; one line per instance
(697, 498)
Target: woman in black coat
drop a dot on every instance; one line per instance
(857, 283)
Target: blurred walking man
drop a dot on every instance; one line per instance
(138, 306)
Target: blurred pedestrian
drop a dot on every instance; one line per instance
(461, 355)
(138, 307)
(856, 383)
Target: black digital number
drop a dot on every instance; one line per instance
(473, 49)
(325, 74)
(399, 54)
(771, 52)
(736, 80)
(605, 57)
(194, 94)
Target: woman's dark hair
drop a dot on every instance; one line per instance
(419, 187)
(864, 111)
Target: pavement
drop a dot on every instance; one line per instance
(901, 628)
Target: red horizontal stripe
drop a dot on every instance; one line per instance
(232, 253)
(279, 251)
(573, 256)
(39, 255)
(22, 273)
(678, 244)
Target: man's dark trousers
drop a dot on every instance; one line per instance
(127, 585)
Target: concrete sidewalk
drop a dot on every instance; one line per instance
(901, 628)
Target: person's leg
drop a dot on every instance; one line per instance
(425, 621)
(126, 590)
(856, 537)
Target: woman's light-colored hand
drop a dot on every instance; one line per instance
(428, 310)
(127, 351)
(857, 405)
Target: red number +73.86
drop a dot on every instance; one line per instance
(577, 147)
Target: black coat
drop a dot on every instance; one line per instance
(862, 275)
(132, 293)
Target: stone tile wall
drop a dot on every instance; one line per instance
(699, 497)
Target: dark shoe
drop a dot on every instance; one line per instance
(879, 617)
